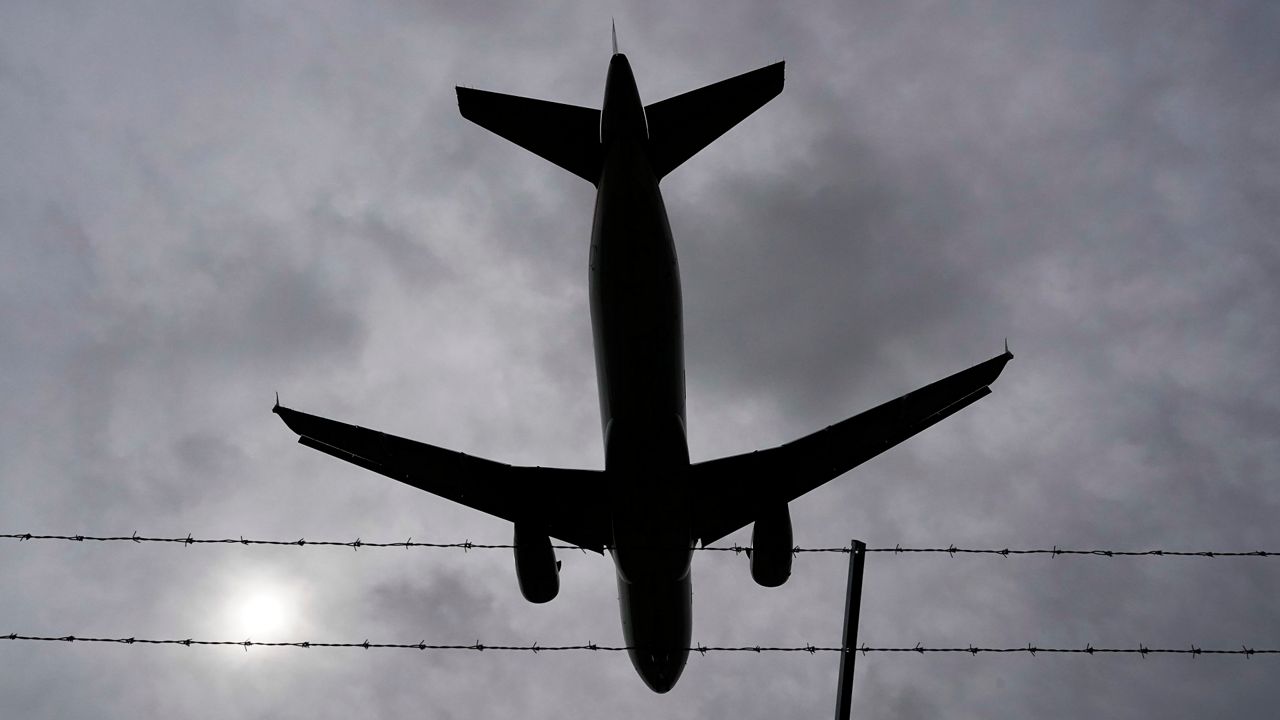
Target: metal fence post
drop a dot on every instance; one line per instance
(849, 643)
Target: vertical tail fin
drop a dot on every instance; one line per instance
(567, 135)
(681, 126)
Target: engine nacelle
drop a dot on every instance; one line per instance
(537, 570)
(771, 552)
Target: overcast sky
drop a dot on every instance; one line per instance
(204, 203)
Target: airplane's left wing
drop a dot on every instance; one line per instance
(565, 502)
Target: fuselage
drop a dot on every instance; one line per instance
(638, 334)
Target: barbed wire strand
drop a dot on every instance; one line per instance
(701, 649)
(467, 545)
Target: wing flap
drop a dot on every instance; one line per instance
(730, 492)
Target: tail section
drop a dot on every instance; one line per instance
(567, 135)
(681, 126)
(570, 136)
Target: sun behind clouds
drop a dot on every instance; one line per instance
(265, 610)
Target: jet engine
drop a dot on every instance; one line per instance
(771, 547)
(537, 569)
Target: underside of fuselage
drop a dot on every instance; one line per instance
(638, 335)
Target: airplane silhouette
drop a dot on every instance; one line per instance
(649, 506)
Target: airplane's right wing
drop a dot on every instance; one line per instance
(730, 492)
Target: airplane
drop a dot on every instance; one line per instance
(650, 507)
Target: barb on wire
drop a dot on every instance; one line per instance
(467, 545)
(477, 646)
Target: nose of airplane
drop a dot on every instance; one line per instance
(660, 671)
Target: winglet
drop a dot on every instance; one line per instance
(1006, 348)
(276, 408)
(613, 26)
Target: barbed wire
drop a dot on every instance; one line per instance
(467, 545)
(477, 646)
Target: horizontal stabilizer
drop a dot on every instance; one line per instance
(681, 126)
(730, 492)
(567, 135)
(563, 502)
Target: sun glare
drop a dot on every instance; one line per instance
(264, 613)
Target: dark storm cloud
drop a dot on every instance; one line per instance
(413, 263)
(202, 205)
(858, 250)
(152, 357)
(457, 608)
